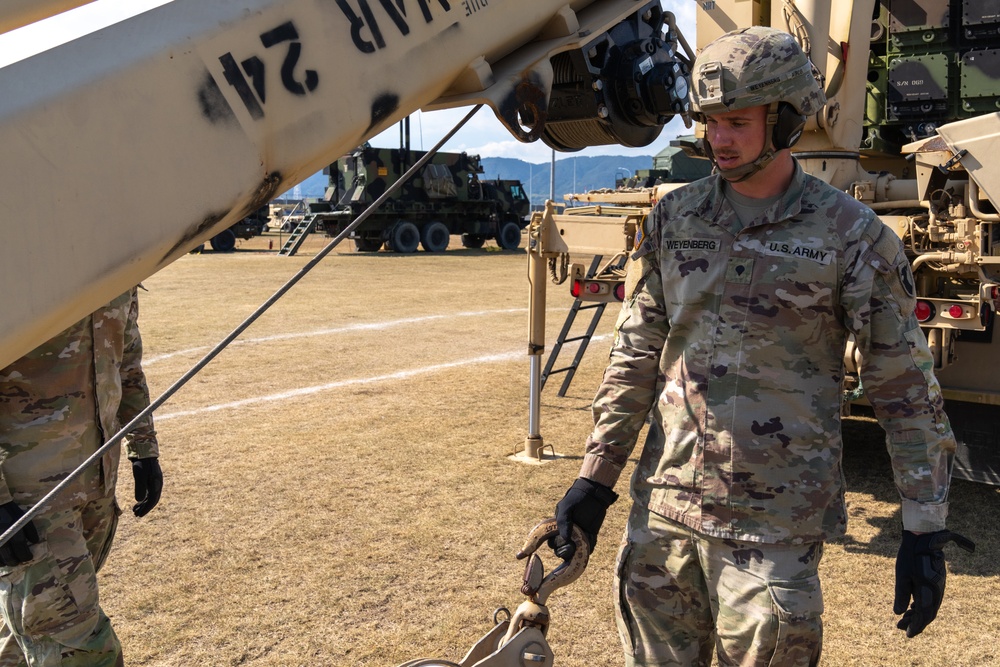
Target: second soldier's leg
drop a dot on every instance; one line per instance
(51, 603)
(662, 601)
(11, 654)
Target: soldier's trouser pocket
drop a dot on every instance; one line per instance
(798, 610)
(661, 601)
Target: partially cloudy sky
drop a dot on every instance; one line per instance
(483, 134)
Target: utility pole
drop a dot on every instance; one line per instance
(552, 177)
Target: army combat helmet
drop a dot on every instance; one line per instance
(753, 67)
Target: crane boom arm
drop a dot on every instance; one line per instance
(125, 148)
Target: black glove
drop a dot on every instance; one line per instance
(148, 484)
(16, 550)
(585, 504)
(920, 575)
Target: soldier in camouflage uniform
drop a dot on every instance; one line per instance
(58, 404)
(743, 291)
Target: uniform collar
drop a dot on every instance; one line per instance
(715, 206)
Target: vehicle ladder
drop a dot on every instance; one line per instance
(583, 340)
(298, 235)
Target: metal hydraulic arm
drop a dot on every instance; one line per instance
(552, 236)
(136, 143)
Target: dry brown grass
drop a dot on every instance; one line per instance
(374, 521)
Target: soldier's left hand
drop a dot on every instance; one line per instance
(148, 484)
(16, 550)
(920, 576)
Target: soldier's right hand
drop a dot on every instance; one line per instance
(16, 550)
(585, 504)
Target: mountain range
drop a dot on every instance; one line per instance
(573, 174)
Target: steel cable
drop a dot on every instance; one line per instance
(117, 437)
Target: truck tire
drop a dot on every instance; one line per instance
(977, 431)
(434, 237)
(224, 241)
(404, 237)
(473, 240)
(509, 237)
(368, 244)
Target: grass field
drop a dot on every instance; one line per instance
(338, 489)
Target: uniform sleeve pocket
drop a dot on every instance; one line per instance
(893, 279)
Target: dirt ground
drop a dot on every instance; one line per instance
(338, 489)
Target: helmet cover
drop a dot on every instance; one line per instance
(752, 67)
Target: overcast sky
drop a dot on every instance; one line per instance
(483, 134)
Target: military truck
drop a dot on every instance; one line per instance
(910, 128)
(447, 197)
(253, 225)
(671, 165)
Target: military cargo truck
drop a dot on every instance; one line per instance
(447, 197)
(253, 225)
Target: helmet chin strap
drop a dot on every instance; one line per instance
(742, 173)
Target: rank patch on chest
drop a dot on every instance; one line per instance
(797, 250)
(711, 245)
(739, 270)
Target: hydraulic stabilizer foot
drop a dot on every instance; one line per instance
(533, 446)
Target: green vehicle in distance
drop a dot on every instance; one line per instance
(253, 225)
(445, 198)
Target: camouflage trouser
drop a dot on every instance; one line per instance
(49, 605)
(679, 595)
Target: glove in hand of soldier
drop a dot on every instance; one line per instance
(920, 577)
(586, 503)
(148, 484)
(16, 550)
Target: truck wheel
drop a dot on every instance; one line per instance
(224, 241)
(473, 240)
(404, 237)
(434, 237)
(367, 244)
(509, 237)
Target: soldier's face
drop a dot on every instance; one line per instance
(737, 137)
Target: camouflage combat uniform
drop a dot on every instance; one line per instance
(58, 404)
(731, 340)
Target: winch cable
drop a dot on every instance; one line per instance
(125, 430)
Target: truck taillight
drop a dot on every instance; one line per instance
(596, 290)
(924, 311)
(957, 311)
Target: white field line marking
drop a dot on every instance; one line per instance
(364, 326)
(315, 389)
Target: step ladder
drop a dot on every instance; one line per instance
(298, 235)
(583, 340)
